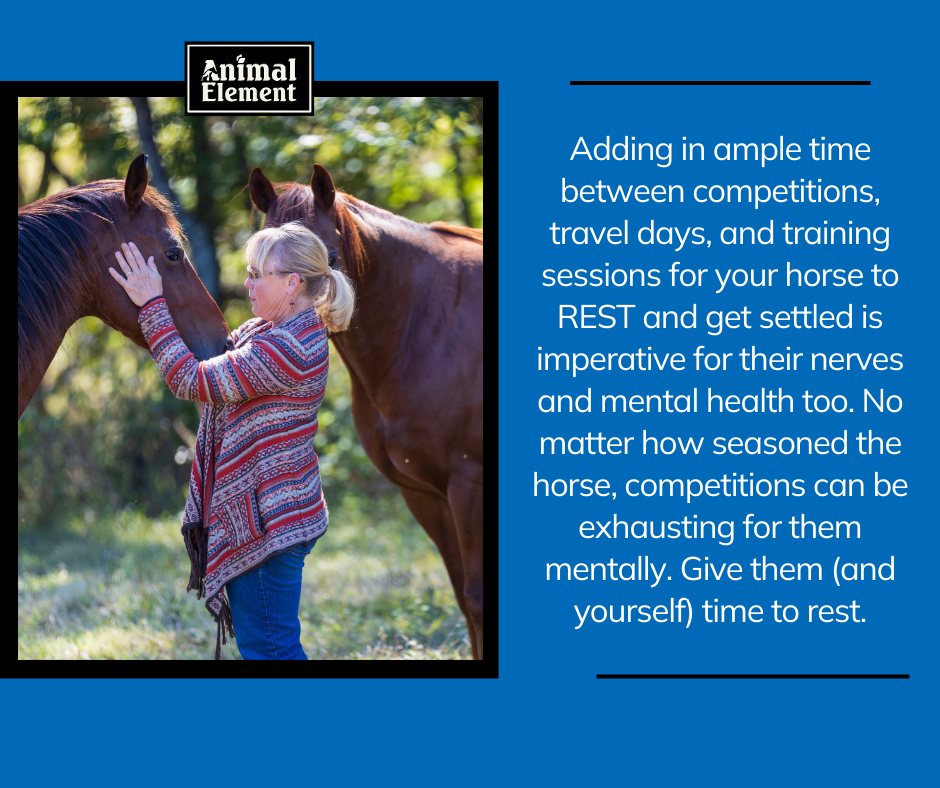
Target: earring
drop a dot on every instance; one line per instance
(291, 303)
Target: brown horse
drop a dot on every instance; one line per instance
(66, 245)
(415, 358)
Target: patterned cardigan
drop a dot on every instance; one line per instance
(255, 485)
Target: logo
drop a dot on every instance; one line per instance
(249, 78)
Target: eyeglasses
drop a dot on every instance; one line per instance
(254, 277)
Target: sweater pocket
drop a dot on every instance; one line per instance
(242, 519)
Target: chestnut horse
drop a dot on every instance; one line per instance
(66, 245)
(415, 358)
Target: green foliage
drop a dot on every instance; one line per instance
(418, 157)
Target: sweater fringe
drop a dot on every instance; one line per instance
(197, 547)
(224, 621)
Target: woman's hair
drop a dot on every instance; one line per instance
(292, 247)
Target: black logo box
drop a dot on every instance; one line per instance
(255, 53)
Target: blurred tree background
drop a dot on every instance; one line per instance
(104, 444)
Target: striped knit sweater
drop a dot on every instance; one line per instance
(255, 486)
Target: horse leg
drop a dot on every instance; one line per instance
(465, 496)
(433, 513)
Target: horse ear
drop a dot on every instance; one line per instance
(261, 191)
(135, 184)
(322, 185)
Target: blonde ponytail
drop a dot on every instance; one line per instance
(337, 302)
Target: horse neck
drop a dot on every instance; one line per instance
(48, 346)
(59, 316)
(385, 292)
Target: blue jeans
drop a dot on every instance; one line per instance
(265, 603)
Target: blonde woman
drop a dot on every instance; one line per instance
(255, 507)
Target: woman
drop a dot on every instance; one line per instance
(255, 507)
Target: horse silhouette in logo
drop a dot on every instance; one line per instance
(210, 73)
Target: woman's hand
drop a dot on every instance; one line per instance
(143, 280)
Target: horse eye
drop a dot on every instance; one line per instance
(173, 255)
(333, 257)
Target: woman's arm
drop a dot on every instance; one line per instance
(269, 364)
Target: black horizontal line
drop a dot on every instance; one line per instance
(729, 82)
(753, 675)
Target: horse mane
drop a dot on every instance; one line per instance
(54, 241)
(473, 233)
(299, 205)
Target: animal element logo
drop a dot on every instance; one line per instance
(232, 83)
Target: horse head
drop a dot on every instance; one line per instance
(66, 243)
(320, 209)
(145, 217)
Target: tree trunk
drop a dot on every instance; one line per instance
(461, 182)
(201, 242)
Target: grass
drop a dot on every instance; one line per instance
(113, 587)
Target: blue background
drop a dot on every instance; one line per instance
(547, 719)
